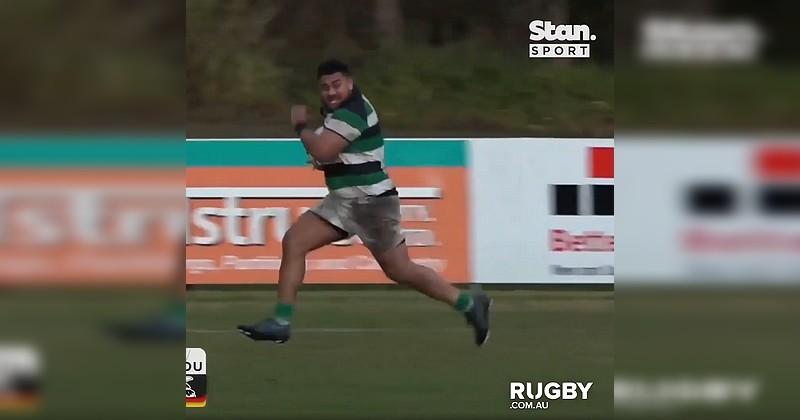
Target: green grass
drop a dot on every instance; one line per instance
(86, 372)
(392, 353)
(707, 98)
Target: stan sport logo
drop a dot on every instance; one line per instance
(560, 40)
(196, 384)
(537, 396)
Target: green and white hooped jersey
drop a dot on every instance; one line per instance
(359, 169)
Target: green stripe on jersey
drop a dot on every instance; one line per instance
(350, 118)
(364, 144)
(336, 182)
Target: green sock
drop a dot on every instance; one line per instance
(283, 313)
(464, 302)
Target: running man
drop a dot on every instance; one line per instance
(362, 201)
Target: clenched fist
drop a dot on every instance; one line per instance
(299, 117)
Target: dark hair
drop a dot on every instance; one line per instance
(332, 66)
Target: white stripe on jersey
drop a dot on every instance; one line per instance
(362, 157)
(342, 128)
(360, 191)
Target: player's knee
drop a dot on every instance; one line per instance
(398, 273)
(292, 244)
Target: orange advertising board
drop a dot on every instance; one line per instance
(435, 227)
(93, 226)
(238, 214)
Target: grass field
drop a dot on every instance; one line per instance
(391, 353)
(86, 372)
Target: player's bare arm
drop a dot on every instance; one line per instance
(323, 147)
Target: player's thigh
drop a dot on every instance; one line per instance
(393, 261)
(310, 232)
(376, 220)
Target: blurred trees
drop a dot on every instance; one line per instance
(465, 61)
(93, 63)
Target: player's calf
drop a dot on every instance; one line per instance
(475, 306)
(422, 279)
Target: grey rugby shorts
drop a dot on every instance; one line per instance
(374, 219)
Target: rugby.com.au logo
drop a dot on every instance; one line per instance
(556, 35)
(537, 396)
